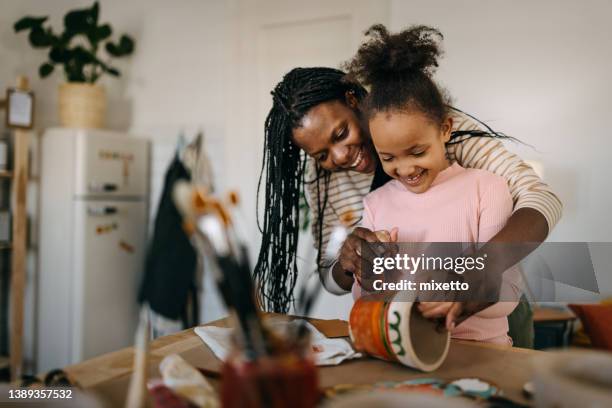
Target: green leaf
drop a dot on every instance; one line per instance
(39, 38)
(126, 45)
(94, 13)
(59, 54)
(103, 32)
(77, 21)
(83, 56)
(112, 49)
(106, 68)
(99, 33)
(45, 70)
(74, 71)
(82, 20)
(29, 22)
(112, 71)
(66, 37)
(54, 39)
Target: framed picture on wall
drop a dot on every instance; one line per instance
(19, 108)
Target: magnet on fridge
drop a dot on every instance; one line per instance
(126, 247)
(126, 172)
(105, 229)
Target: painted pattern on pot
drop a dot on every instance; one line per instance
(395, 331)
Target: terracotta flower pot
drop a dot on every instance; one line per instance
(396, 331)
(82, 105)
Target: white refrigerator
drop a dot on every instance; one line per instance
(93, 219)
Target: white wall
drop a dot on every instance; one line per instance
(539, 71)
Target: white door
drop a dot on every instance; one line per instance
(270, 38)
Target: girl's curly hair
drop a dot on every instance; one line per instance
(398, 68)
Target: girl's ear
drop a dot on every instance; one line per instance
(446, 129)
(351, 99)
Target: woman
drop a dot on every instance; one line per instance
(316, 111)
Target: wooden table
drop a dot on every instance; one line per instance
(509, 368)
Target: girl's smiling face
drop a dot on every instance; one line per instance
(411, 147)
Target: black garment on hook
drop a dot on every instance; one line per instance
(170, 266)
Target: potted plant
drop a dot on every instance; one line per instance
(78, 50)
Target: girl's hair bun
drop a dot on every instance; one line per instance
(384, 56)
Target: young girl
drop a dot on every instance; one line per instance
(430, 198)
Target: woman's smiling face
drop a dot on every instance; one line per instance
(332, 134)
(411, 147)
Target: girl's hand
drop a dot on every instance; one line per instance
(382, 236)
(450, 311)
(357, 249)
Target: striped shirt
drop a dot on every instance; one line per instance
(346, 189)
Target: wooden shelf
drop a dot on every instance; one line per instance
(18, 176)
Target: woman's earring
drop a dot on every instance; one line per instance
(351, 99)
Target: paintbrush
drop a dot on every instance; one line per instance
(210, 225)
(310, 292)
(136, 397)
(233, 280)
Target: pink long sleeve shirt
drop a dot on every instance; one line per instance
(462, 205)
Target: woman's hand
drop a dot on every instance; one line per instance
(450, 311)
(359, 248)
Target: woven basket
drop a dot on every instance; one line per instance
(82, 105)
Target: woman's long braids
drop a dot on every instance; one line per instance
(282, 173)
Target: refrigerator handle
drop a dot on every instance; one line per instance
(101, 210)
(102, 187)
